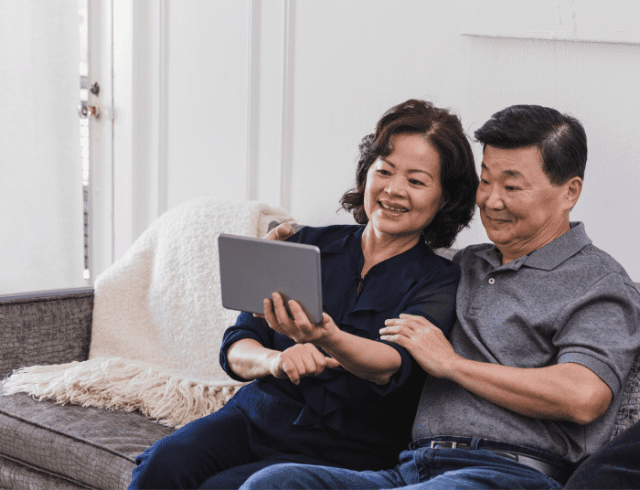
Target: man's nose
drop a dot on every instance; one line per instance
(491, 198)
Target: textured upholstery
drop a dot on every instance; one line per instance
(81, 446)
(47, 329)
(15, 475)
(629, 412)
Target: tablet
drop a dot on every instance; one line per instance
(251, 269)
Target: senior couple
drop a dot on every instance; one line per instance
(502, 368)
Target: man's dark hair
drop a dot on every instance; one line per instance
(560, 138)
(458, 176)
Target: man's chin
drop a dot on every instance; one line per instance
(498, 238)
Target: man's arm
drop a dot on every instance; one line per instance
(561, 392)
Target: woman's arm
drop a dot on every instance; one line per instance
(251, 360)
(367, 359)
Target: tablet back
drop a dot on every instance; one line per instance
(251, 269)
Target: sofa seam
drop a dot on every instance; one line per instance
(63, 434)
(47, 472)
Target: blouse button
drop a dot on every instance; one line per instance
(492, 280)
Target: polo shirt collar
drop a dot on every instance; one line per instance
(547, 257)
(562, 248)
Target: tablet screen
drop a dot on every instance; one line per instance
(251, 269)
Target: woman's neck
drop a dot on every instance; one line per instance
(378, 247)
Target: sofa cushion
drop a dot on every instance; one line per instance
(84, 446)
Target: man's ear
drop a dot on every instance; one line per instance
(573, 188)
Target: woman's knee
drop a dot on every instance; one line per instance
(160, 466)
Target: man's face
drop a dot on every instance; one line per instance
(520, 208)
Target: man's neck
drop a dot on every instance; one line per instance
(515, 249)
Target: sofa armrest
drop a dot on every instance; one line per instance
(50, 327)
(629, 412)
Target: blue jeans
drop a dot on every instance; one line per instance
(420, 468)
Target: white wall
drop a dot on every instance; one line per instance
(348, 62)
(41, 224)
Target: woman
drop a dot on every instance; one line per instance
(334, 393)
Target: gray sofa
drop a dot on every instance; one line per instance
(50, 446)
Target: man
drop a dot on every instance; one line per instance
(548, 326)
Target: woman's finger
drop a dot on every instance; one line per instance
(283, 231)
(291, 370)
(312, 364)
(299, 315)
(270, 316)
(282, 315)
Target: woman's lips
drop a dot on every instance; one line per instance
(394, 208)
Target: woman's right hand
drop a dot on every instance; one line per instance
(298, 361)
(280, 232)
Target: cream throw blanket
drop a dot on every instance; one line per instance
(158, 320)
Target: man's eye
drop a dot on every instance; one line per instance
(510, 188)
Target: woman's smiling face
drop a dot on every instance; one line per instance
(403, 192)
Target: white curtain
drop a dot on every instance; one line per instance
(41, 212)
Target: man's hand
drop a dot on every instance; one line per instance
(298, 361)
(424, 341)
(558, 392)
(280, 232)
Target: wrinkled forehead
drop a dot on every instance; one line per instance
(514, 163)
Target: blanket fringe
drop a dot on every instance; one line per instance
(117, 383)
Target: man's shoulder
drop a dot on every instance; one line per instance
(599, 264)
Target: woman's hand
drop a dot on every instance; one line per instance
(423, 340)
(296, 326)
(298, 361)
(367, 359)
(280, 232)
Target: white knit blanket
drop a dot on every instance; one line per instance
(158, 320)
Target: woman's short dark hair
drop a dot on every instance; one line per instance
(560, 138)
(458, 177)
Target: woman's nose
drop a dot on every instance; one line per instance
(395, 187)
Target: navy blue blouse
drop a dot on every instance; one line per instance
(417, 281)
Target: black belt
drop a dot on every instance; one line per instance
(559, 474)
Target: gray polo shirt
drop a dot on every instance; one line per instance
(565, 302)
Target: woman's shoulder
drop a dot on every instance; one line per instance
(324, 235)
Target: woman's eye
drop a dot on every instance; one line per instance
(382, 171)
(416, 182)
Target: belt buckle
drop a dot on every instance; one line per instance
(445, 444)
